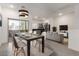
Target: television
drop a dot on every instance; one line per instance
(54, 29)
(0, 23)
(63, 27)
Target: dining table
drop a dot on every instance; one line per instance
(30, 37)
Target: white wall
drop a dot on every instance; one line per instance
(6, 13)
(74, 39)
(33, 22)
(51, 22)
(74, 33)
(67, 19)
(72, 20)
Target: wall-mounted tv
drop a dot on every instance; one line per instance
(63, 27)
(0, 23)
(0, 20)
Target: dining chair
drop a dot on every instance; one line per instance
(34, 32)
(33, 42)
(30, 31)
(39, 41)
(44, 34)
(18, 47)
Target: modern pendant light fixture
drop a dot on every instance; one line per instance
(23, 13)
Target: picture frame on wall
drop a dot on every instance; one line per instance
(0, 20)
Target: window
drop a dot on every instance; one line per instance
(22, 25)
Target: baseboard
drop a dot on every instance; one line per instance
(54, 41)
(0, 44)
(73, 49)
(3, 43)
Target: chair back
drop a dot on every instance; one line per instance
(15, 42)
(44, 34)
(30, 31)
(34, 32)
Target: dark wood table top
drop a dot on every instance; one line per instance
(29, 36)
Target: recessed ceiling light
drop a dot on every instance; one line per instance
(43, 18)
(11, 6)
(60, 14)
(46, 21)
(36, 17)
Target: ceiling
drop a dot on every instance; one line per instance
(41, 9)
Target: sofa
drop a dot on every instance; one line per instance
(54, 36)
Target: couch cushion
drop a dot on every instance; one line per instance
(54, 36)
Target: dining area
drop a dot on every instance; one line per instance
(24, 37)
(28, 44)
(28, 38)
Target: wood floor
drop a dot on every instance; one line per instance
(51, 49)
(6, 50)
(61, 49)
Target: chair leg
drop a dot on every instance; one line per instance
(23, 51)
(36, 43)
(39, 47)
(15, 52)
(32, 43)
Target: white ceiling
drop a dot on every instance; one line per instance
(40, 9)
